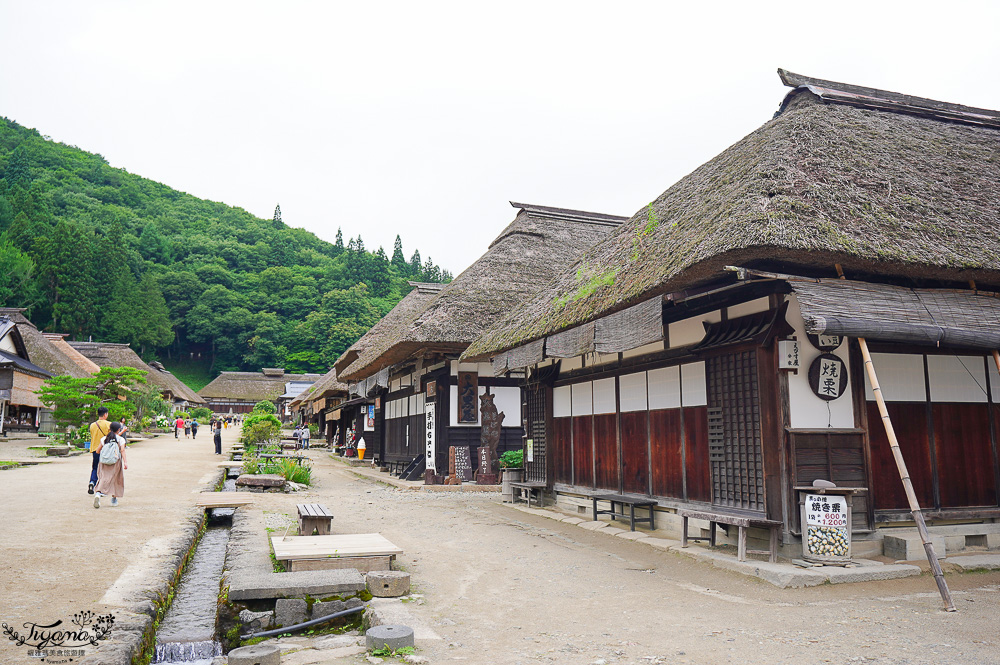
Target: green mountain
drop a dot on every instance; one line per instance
(95, 251)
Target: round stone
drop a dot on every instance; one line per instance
(256, 654)
(388, 637)
(387, 583)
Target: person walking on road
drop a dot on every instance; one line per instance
(178, 426)
(187, 428)
(304, 437)
(111, 477)
(194, 428)
(98, 430)
(217, 436)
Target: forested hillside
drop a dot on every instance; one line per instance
(95, 251)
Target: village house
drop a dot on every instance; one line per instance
(237, 392)
(706, 356)
(20, 408)
(319, 405)
(108, 354)
(406, 369)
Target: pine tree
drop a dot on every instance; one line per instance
(378, 278)
(360, 244)
(431, 272)
(151, 309)
(17, 172)
(415, 264)
(277, 217)
(67, 262)
(338, 245)
(398, 260)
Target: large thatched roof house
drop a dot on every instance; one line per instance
(237, 392)
(412, 357)
(20, 378)
(108, 354)
(696, 356)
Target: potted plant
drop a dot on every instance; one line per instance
(512, 471)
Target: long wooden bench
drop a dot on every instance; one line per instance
(741, 521)
(525, 489)
(623, 500)
(314, 516)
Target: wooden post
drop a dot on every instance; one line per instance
(904, 475)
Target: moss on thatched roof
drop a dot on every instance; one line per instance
(41, 351)
(326, 386)
(252, 386)
(83, 362)
(107, 354)
(539, 243)
(875, 181)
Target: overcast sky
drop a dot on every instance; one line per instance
(426, 118)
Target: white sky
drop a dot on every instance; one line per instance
(425, 118)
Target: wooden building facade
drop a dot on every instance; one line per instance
(718, 368)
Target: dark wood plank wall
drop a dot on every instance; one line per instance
(964, 455)
(635, 452)
(697, 468)
(561, 443)
(909, 419)
(583, 451)
(606, 451)
(837, 456)
(666, 444)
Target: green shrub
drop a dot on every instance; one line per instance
(265, 407)
(512, 459)
(201, 413)
(291, 471)
(263, 431)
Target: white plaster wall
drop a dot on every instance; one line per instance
(694, 389)
(691, 331)
(604, 396)
(7, 344)
(749, 307)
(664, 388)
(957, 378)
(632, 389)
(561, 402)
(643, 350)
(570, 364)
(583, 398)
(901, 377)
(807, 410)
(506, 399)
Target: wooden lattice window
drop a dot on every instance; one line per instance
(534, 415)
(737, 468)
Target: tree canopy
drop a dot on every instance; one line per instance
(97, 252)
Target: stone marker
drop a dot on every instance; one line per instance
(261, 480)
(388, 583)
(389, 637)
(256, 654)
(290, 611)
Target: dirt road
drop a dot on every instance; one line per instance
(504, 587)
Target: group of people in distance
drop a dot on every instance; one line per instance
(108, 479)
(301, 436)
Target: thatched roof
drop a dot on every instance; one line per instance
(327, 386)
(107, 354)
(391, 326)
(41, 351)
(83, 362)
(252, 386)
(885, 184)
(536, 246)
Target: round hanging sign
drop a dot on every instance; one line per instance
(828, 376)
(825, 342)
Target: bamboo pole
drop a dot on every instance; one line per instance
(996, 358)
(904, 475)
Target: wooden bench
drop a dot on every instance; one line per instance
(525, 489)
(314, 516)
(623, 500)
(741, 521)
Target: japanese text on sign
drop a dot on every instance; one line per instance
(822, 510)
(429, 437)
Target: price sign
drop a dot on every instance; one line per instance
(826, 529)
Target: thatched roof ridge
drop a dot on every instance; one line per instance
(108, 354)
(540, 242)
(251, 386)
(375, 342)
(327, 385)
(41, 351)
(83, 362)
(884, 192)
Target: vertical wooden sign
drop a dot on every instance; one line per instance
(468, 397)
(430, 447)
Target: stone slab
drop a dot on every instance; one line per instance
(632, 535)
(60, 451)
(290, 612)
(255, 654)
(838, 575)
(781, 575)
(907, 547)
(261, 480)
(248, 585)
(388, 611)
(388, 583)
(662, 543)
(322, 609)
(593, 526)
(976, 562)
(572, 520)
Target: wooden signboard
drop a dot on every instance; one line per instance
(463, 462)
(468, 402)
(828, 376)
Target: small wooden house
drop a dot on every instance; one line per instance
(705, 354)
(20, 407)
(237, 392)
(172, 389)
(406, 369)
(320, 403)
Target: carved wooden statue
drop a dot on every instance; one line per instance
(489, 438)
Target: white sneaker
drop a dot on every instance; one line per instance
(97, 500)
(114, 501)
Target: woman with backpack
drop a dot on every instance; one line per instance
(111, 469)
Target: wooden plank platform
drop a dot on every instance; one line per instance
(230, 465)
(334, 546)
(225, 499)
